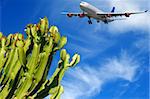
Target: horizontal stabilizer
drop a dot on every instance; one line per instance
(119, 19)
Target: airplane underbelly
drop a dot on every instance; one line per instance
(93, 14)
(90, 12)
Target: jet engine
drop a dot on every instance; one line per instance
(69, 15)
(127, 14)
(109, 15)
(81, 15)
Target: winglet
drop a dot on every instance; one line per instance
(64, 12)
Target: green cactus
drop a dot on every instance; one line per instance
(25, 63)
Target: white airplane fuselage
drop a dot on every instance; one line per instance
(92, 11)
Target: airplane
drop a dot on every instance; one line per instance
(91, 11)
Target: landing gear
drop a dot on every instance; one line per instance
(98, 21)
(105, 21)
(89, 21)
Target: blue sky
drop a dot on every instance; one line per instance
(114, 57)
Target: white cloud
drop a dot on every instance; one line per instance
(89, 44)
(87, 81)
(134, 22)
(143, 44)
(91, 40)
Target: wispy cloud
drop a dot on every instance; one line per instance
(143, 44)
(88, 80)
(133, 23)
(90, 46)
(91, 40)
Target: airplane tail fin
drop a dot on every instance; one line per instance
(113, 9)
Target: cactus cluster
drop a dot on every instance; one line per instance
(25, 62)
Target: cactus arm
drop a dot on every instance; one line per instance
(5, 91)
(44, 25)
(17, 66)
(11, 81)
(56, 78)
(42, 65)
(10, 57)
(1, 34)
(9, 39)
(3, 57)
(27, 44)
(55, 34)
(61, 44)
(33, 31)
(58, 93)
(32, 63)
(9, 67)
(21, 53)
(40, 71)
(25, 63)
(21, 59)
(22, 90)
(44, 89)
(75, 60)
(15, 70)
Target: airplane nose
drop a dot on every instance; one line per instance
(81, 4)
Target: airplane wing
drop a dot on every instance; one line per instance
(70, 14)
(127, 14)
